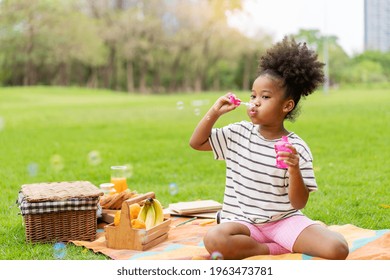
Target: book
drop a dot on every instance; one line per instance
(207, 215)
(195, 207)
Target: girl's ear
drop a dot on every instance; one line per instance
(288, 106)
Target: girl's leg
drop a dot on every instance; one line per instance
(318, 241)
(233, 241)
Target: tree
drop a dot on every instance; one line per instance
(42, 37)
(133, 45)
(383, 59)
(337, 58)
(75, 39)
(368, 67)
(23, 41)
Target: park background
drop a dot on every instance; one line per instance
(90, 84)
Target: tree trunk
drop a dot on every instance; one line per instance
(216, 83)
(63, 74)
(130, 76)
(142, 78)
(29, 67)
(156, 81)
(173, 80)
(93, 79)
(119, 75)
(187, 84)
(246, 74)
(109, 75)
(27, 73)
(198, 83)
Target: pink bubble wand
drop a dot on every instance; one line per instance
(236, 101)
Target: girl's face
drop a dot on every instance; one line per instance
(271, 106)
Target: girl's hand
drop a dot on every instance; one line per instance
(291, 159)
(223, 105)
(298, 192)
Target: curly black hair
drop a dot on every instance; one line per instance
(295, 66)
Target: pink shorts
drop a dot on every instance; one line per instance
(279, 236)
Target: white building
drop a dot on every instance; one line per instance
(377, 25)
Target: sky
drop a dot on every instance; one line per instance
(342, 18)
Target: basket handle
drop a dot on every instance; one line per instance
(125, 212)
(138, 198)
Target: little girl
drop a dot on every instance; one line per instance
(261, 206)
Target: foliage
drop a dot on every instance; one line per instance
(122, 45)
(365, 71)
(370, 66)
(150, 46)
(347, 131)
(367, 67)
(328, 51)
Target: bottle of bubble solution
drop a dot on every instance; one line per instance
(280, 146)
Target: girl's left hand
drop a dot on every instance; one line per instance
(291, 159)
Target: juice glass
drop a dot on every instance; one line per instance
(118, 178)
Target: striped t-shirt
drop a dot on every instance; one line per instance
(256, 190)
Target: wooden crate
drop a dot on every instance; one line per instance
(108, 215)
(124, 236)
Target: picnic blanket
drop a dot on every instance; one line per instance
(185, 242)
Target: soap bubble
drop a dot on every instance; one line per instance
(317, 168)
(129, 170)
(216, 256)
(179, 105)
(173, 189)
(32, 169)
(197, 103)
(59, 250)
(94, 158)
(57, 163)
(197, 111)
(2, 123)
(200, 102)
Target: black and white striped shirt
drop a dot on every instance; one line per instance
(256, 190)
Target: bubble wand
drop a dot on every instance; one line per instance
(236, 101)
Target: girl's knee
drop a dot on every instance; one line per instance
(215, 240)
(320, 242)
(219, 238)
(338, 250)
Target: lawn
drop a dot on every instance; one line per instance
(65, 134)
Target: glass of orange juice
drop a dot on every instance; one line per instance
(118, 178)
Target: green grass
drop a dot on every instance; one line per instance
(347, 130)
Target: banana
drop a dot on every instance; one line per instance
(150, 217)
(151, 213)
(159, 212)
(144, 210)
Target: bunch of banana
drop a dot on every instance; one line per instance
(151, 213)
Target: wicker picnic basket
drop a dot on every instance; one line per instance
(59, 211)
